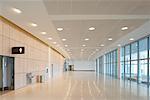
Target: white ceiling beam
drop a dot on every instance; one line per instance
(97, 17)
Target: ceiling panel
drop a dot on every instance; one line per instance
(65, 7)
(75, 31)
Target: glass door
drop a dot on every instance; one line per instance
(6, 73)
(10, 72)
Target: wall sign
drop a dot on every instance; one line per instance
(18, 50)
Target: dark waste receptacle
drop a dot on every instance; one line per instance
(71, 68)
(37, 78)
(41, 80)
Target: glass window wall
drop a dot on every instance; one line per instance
(111, 63)
(134, 62)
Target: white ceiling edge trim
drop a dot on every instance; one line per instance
(140, 32)
(97, 17)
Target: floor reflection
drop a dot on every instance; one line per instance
(81, 86)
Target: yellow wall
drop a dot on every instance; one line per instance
(37, 55)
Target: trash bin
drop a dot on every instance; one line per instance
(71, 68)
(41, 79)
(29, 77)
(38, 79)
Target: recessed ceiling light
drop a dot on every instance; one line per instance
(93, 53)
(131, 39)
(50, 38)
(92, 28)
(66, 45)
(102, 45)
(124, 28)
(33, 24)
(119, 45)
(43, 33)
(86, 39)
(82, 49)
(17, 10)
(83, 45)
(63, 39)
(97, 49)
(59, 29)
(68, 49)
(110, 39)
(54, 42)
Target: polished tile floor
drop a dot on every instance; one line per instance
(81, 86)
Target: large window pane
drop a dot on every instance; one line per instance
(127, 70)
(101, 65)
(122, 62)
(111, 63)
(134, 50)
(127, 62)
(134, 69)
(96, 65)
(143, 60)
(134, 63)
(143, 71)
(116, 62)
(127, 53)
(106, 63)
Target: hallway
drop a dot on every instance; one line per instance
(80, 86)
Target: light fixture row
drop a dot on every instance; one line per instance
(18, 11)
(93, 28)
(33, 24)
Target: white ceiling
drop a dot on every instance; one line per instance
(77, 30)
(102, 7)
(76, 16)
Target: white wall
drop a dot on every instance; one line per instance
(58, 63)
(83, 65)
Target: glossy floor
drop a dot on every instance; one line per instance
(81, 86)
